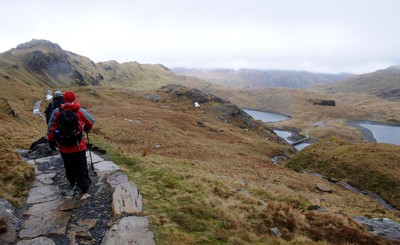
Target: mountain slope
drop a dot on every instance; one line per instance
(383, 83)
(43, 63)
(251, 78)
(206, 173)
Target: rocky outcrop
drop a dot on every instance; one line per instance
(231, 113)
(155, 98)
(321, 102)
(381, 227)
(195, 95)
(225, 110)
(55, 66)
(52, 63)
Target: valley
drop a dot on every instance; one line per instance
(208, 174)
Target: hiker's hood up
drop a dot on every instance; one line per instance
(71, 106)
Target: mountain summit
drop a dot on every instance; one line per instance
(48, 63)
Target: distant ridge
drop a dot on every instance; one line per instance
(252, 78)
(384, 83)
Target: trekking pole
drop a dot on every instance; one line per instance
(90, 153)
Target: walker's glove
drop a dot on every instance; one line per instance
(52, 145)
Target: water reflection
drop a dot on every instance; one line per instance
(284, 134)
(266, 116)
(384, 133)
(275, 117)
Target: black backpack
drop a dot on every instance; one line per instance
(56, 103)
(70, 131)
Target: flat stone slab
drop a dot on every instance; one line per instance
(70, 204)
(47, 159)
(53, 223)
(82, 229)
(116, 179)
(41, 209)
(43, 193)
(129, 230)
(126, 199)
(95, 158)
(105, 167)
(37, 241)
(44, 179)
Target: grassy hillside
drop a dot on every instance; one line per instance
(367, 166)
(383, 83)
(141, 76)
(206, 173)
(204, 176)
(19, 127)
(207, 180)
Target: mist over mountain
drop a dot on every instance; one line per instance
(252, 78)
(384, 83)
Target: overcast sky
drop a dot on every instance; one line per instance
(356, 36)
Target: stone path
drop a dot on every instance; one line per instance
(55, 214)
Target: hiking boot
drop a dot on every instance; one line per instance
(69, 191)
(85, 196)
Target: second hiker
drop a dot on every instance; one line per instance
(66, 127)
(54, 104)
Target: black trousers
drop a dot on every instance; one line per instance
(76, 169)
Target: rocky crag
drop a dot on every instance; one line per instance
(55, 214)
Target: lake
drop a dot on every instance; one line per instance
(275, 117)
(383, 133)
(266, 116)
(374, 132)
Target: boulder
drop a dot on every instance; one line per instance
(8, 235)
(126, 199)
(129, 230)
(153, 97)
(104, 168)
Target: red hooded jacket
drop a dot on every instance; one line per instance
(85, 119)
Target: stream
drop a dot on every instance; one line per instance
(275, 117)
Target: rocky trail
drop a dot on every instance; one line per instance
(55, 214)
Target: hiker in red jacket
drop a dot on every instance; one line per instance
(73, 154)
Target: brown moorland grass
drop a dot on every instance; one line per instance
(204, 180)
(367, 166)
(213, 184)
(19, 128)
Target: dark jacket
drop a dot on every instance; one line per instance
(56, 103)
